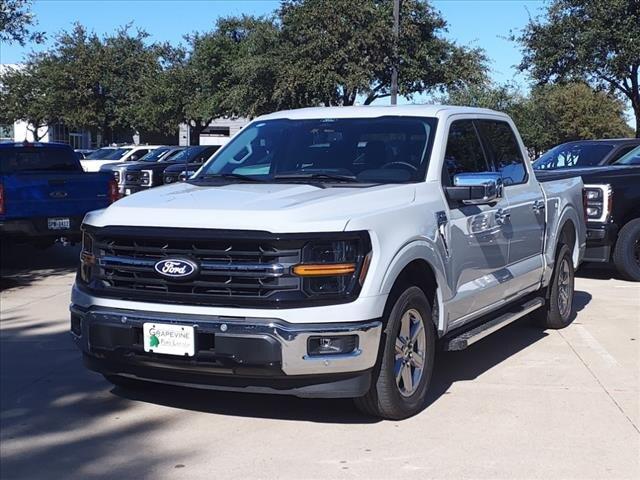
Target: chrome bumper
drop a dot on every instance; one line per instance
(292, 338)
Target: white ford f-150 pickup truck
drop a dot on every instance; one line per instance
(327, 252)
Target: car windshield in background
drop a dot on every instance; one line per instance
(362, 150)
(154, 155)
(100, 154)
(185, 155)
(631, 158)
(573, 155)
(35, 159)
(117, 154)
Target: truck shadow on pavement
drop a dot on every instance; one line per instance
(21, 265)
(58, 420)
(451, 367)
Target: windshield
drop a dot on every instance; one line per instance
(154, 155)
(100, 154)
(573, 155)
(26, 159)
(364, 150)
(117, 154)
(631, 158)
(186, 155)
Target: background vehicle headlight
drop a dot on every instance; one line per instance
(597, 202)
(146, 177)
(333, 267)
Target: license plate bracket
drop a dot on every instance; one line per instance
(168, 339)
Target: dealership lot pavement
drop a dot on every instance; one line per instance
(522, 403)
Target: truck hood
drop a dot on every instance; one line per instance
(278, 208)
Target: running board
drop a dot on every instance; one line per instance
(463, 339)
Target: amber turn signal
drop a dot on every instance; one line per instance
(324, 270)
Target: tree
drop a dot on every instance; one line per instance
(24, 95)
(17, 21)
(575, 111)
(105, 85)
(594, 40)
(335, 52)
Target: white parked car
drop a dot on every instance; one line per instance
(106, 155)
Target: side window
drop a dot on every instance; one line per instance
(464, 152)
(621, 152)
(504, 150)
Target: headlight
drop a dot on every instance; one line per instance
(87, 257)
(335, 267)
(146, 177)
(597, 202)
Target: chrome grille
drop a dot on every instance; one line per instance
(230, 269)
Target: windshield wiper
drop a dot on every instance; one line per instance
(316, 176)
(233, 176)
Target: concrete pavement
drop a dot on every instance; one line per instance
(523, 403)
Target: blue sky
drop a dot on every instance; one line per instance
(482, 23)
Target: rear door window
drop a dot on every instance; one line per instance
(464, 152)
(503, 149)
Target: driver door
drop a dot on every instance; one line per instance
(478, 237)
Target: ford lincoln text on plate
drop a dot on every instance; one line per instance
(324, 252)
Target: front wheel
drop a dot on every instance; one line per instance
(400, 387)
(557, 312)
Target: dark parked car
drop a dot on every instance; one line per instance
(142, 176)
(585, 153)
(45, 194)
(119, 169)
(612, 210)
(180, 171)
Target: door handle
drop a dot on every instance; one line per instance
(502, 216)
(538, 206)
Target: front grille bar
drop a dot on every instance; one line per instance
(133, 264)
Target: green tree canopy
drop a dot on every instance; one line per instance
(594, 40)
(335, 52)
(88, 82)
(24, 95)
(17, 22)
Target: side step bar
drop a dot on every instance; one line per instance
(463, 339)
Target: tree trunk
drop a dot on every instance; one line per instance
(635, 104)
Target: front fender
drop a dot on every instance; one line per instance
(427, 251)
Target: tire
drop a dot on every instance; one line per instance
(391, 399)
(557, 312)
(123, 382)
(626, 255)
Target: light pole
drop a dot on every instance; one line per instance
(394, 71)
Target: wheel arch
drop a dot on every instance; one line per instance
(418, 264)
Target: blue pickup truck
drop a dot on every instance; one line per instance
(45, 193)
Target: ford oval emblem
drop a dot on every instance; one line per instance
(58, 194)
(176, 268)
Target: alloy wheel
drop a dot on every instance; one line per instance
(410, 352)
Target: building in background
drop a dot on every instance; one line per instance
(218, 132)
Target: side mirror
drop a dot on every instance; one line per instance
(475, 188)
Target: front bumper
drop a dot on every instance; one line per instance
(601, 239)
(232, 353)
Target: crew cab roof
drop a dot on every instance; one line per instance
(373, 111)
